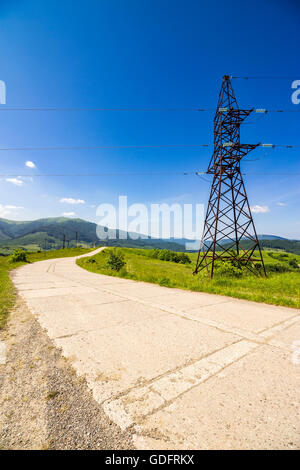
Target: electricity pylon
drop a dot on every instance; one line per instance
(228, 222)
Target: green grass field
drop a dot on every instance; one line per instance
(279, 288)
(282, 288)
(7, 290)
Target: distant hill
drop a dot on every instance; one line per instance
(270, 237)
(183, 241)
(48, 233)
(291, 246)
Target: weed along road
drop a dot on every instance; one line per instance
(179, 369)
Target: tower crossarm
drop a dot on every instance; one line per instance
(228, 157)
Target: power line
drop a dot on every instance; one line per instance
(268, 145)
(192, 109)
(272, 174)
(278, 110)
(258, 77)
(97, 147)
(142, 173)
(38, 108)
(136, 173)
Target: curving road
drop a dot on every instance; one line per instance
(182, 370)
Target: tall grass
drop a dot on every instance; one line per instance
(278, 288)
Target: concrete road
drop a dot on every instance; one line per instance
(182, 370)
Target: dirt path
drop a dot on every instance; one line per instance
(43, 404)
(175, 369)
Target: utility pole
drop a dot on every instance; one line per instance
(228, 218)
(68, 241)
(76, 238)
(64, 241)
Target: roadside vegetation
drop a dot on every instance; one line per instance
(281, 287)
(19, 258)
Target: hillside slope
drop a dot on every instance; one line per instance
(49, 233)
(291, 246)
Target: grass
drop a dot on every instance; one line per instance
(7, 290)
(278, 288)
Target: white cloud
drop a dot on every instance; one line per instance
(70, 200)
(68, 214)
(30, 164)
(260, 209)
(4, 213)
(13, 207)
(7, 209)
(281, 204)
(15, 181)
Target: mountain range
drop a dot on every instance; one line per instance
(49, 233)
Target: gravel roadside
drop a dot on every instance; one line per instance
(43, 403)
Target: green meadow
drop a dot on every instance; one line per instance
(281, 287)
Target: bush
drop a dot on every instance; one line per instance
(277, 268)
(279, 256)
(184, 259)
(153, 253)
(115, 261)
(226, 268)
(18, 256)
(167, 255)
(293, 263)
(282, 256)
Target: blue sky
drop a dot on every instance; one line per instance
(133, 53)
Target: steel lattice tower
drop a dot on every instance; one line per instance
(228, 220)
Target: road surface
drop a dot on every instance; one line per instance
(179, 369)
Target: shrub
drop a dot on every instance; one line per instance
(184, 259)
(164, 255)
(152, 253)
(18, 256)
(168, 255)
(282, 256)
(226, 268)
(277, 268)
(293, 263)
(279, 256)
(115, 261)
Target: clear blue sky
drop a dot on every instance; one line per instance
(149, 53)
